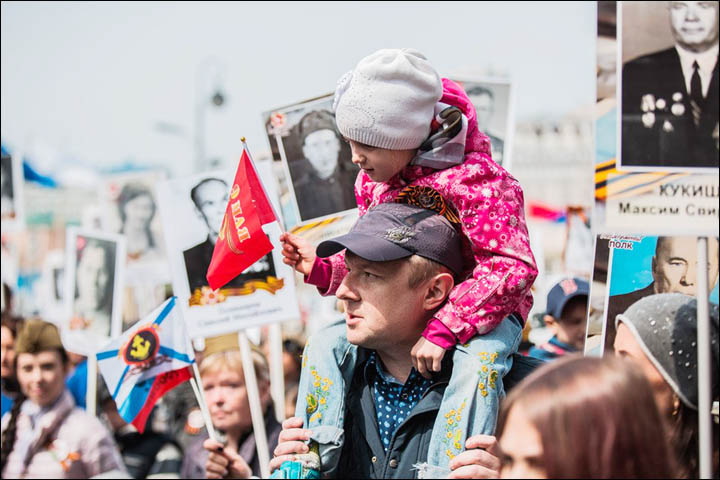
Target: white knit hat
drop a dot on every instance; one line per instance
(388, 101)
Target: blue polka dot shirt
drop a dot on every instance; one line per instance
(393, 400)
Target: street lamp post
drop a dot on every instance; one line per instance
(202, 100)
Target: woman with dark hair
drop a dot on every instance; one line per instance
(94, 286)
(583, 417)
(45, 435)
(659, 333)
(136, 207)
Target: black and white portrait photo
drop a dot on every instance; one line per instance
(11, 191)
(192, 209)
(131, 210)
(669, 85)
(93, 285)
(492, 101)
(210, 198)
(318, 160)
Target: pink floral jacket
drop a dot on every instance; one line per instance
(489, 204)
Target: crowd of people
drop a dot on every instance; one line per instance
(425, 377)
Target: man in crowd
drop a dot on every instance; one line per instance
(670, 98)
(384, 318)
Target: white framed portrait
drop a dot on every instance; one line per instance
(94, 282)
(12, 209)
(192, 210)
(130, 209)
(317, 161)
(667, 116)
(494, 108)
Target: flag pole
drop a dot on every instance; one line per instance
(252, 162)
(277, 376)
(195, 384)
(256, 411)
(91, 392)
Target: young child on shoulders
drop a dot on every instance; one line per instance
(415, 138)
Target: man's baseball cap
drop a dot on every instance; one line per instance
(563, 292)
(391, 231)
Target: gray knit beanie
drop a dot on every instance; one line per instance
(665, 326)
(388, 101)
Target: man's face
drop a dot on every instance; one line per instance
(139, 211)
(92, 278)
(382, 312)
(674, 266)
(694, 24)
(212, 199)
(322, 148)
(227, 400)
(484, 108)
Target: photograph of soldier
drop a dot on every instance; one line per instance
(491, 99)
(318, 160)
(669, 90)
(210, 198)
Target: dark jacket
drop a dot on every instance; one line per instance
(672, 139)
(196, 456)
(617, 304)
(363, 455)
(197, 262)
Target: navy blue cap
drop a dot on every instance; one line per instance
(563, 292)
(391, 231)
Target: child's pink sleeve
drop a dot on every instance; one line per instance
(491, 210)
(327, 273)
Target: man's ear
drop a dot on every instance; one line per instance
(437, 290)
(550, 323)
(653, 270)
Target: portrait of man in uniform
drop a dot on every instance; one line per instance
(210, 198)
(669, 98)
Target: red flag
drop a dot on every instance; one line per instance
(241, 241)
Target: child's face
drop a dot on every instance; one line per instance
(380, 164)
(571, 326)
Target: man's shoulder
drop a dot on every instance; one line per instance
(196, 250)
(654, 60)
(620, 303)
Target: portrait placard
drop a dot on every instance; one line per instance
(493, 101)
(628, 268)
(94, 282)
(317, 160)
(12, 212)
(668, 87)
(53, 286)
(192, 213)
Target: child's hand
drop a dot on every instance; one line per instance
(426, 357)
(298, 253)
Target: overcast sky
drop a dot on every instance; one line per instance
(95, 80)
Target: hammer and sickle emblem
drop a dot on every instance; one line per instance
(141, 348)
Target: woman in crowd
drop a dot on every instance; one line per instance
(659, 333)
(8, 334)
(579, 418)
(45, 435)
(223, 383)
